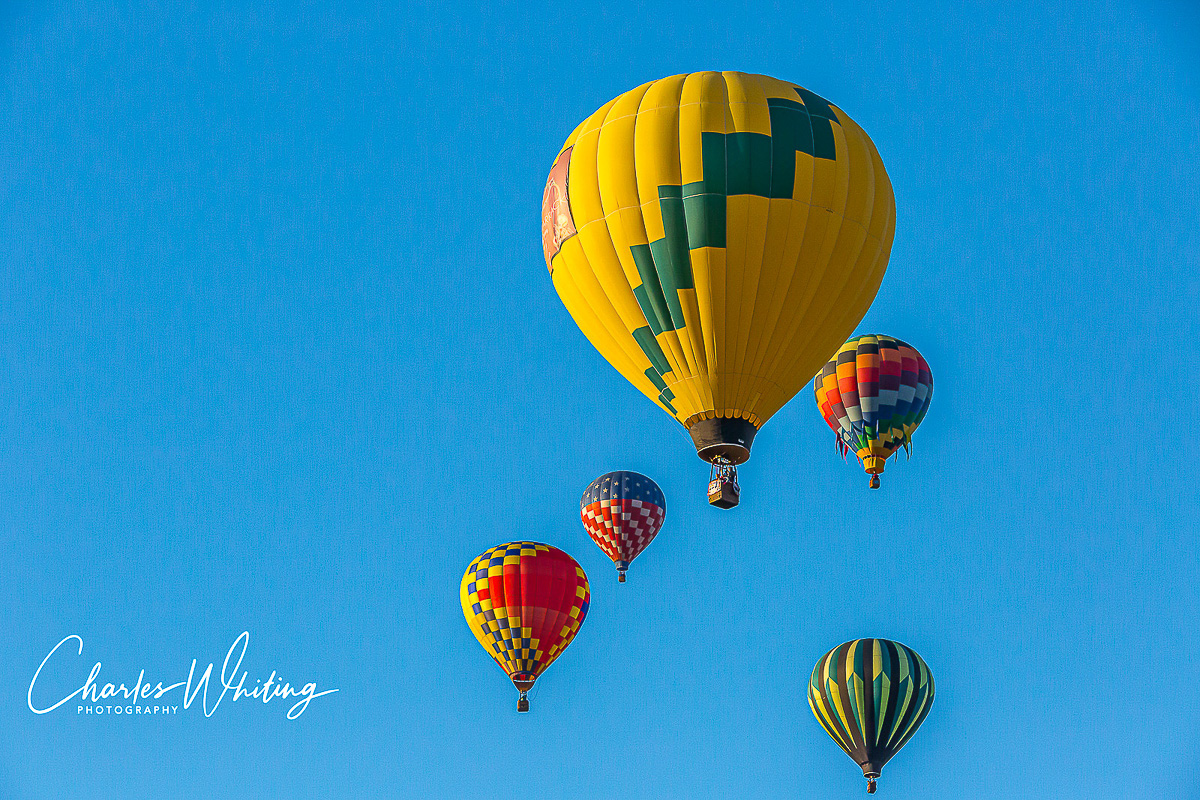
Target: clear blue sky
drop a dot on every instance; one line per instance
(279, 353)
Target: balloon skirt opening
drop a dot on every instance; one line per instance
(874, 464)
(524, 682)
(720, 438)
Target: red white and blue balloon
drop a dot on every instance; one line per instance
(623, 512)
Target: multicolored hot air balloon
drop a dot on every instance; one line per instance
(871, 695)
(715, 236)
(874, 393)
(623, 512)
(524, 601)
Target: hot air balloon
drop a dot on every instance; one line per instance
(874, 393)
(524, 601)
(623, 512)
(715, 236)
(871, 695)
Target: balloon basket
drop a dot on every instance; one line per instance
(723, 489)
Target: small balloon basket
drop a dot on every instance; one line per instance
(723, 489)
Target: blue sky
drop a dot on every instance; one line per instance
(279, 353)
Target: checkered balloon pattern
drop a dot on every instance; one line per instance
(623, 512)
(524, 601)
(874, 393)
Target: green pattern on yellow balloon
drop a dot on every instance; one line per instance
(716, 236)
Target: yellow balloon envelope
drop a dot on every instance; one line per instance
(717, 236)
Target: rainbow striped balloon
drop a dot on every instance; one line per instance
(874, 393)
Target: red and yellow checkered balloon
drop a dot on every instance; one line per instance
(524, 601)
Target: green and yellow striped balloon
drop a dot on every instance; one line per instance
(871, 695)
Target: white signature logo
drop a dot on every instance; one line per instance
(91, 693)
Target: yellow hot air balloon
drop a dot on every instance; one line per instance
(717, 236)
